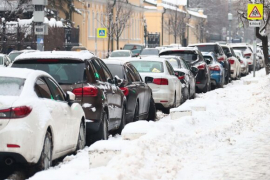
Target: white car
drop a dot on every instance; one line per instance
(260, 56)
(243, 61)
(160, 76)
(38, 121)
(4, 60)
(119, 54)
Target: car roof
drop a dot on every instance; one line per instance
(67, 55)
(21, 72)
(180, 49)
(25, 50)
(149, 58)
(213, 43)
(135, 44)
(124, 50)
(208, 53)
(239, 45)
(115, 61)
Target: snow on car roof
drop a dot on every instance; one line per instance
(2, 54)
(199, 44)
(150, 58)
(68, 55)
(179, 49)
(115, 61)
(21, 73)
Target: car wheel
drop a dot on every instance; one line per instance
(136, 112)
(123, 121)
(152, 112)
(82, 137)
(103, 132)
(45, 160)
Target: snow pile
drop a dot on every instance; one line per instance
(227, 141)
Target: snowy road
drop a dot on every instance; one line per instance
(227, 141)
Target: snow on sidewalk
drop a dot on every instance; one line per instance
(227, 141)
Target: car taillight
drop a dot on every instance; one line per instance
(247, 55)
(161, 81)
(202, 66)
(181, 77)
(231, 61)
(241, 61)
(215, 68)
(86, 91)
(125, 90)
(14, 113)
(249, 63)
(221, 59)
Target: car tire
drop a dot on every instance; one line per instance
(136, 112)
(45, 160)
(152, 112)
(81, 138)
(123, 121)
(103, 132)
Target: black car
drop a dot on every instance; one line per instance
(140, 102)
(90, 80)
(220, 55)
(193, 57)
(186, 74)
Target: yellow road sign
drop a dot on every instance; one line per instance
(101, 32)
(255, 12)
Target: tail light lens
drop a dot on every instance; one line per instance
(161, 81)
(201, 67)
(125, 90)
(231, 61)
(221, 59)
(241, 61)
(86, 91)
(14, 113)
(249, 63)
(215, 68)
(248, 55)
(181, 77)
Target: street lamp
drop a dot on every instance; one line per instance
(230, 17)
(145, 32)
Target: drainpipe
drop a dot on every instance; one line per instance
(162, 19)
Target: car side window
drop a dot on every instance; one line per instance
(135, 73)
(130, 75)
(220, 50)
(98, 70)
(56, 91)
(42, 90)
(233, 52)
(107, 72)
(183, 64)
(170, 69)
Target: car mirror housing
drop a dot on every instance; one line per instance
(70, 96)
(148, 79)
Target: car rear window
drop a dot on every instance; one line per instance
(120, 54)
(189, 56)
(12, 56)
(173, 62)
(116, 70)
(150, 52)
(207, 48)
(226, 50)
(63, 71)
(10, 86)
(148, 66)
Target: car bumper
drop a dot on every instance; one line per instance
(164, 97)
(216, 77)
(16, 157)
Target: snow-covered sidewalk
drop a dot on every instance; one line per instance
(227, 141)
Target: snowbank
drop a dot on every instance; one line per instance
(207, 145)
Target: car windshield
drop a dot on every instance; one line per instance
(1, 60)
(148, 66)
(63, 71)
(150, 52)
(10, 86)
(12, 56)
(173, 62)
(116, 69)
(120, 54)
(189, 56)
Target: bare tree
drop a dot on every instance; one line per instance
(122, 16)
(261, 32)
(176, 24)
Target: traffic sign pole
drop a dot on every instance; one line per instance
(254, 52)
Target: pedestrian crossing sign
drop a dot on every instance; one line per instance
(102, 33)
(255, 12)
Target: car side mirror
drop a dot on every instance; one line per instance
(229, 54)
(117, 80)
(194, 70)
(7, 63)
(148, 79)
(208, 61)
(70, 97)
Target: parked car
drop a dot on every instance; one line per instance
(247, 52)
(243, 61)
(216, 69)
(90, 80)
(140, 102)
(159, 75)
(186, 75)
(39, 122)
(4, 60)
(260, 56)
(117, 54)
(13, 54)
(193, 57)
(135, 48)
(234, 61)
(221, 57)
(149, 52)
